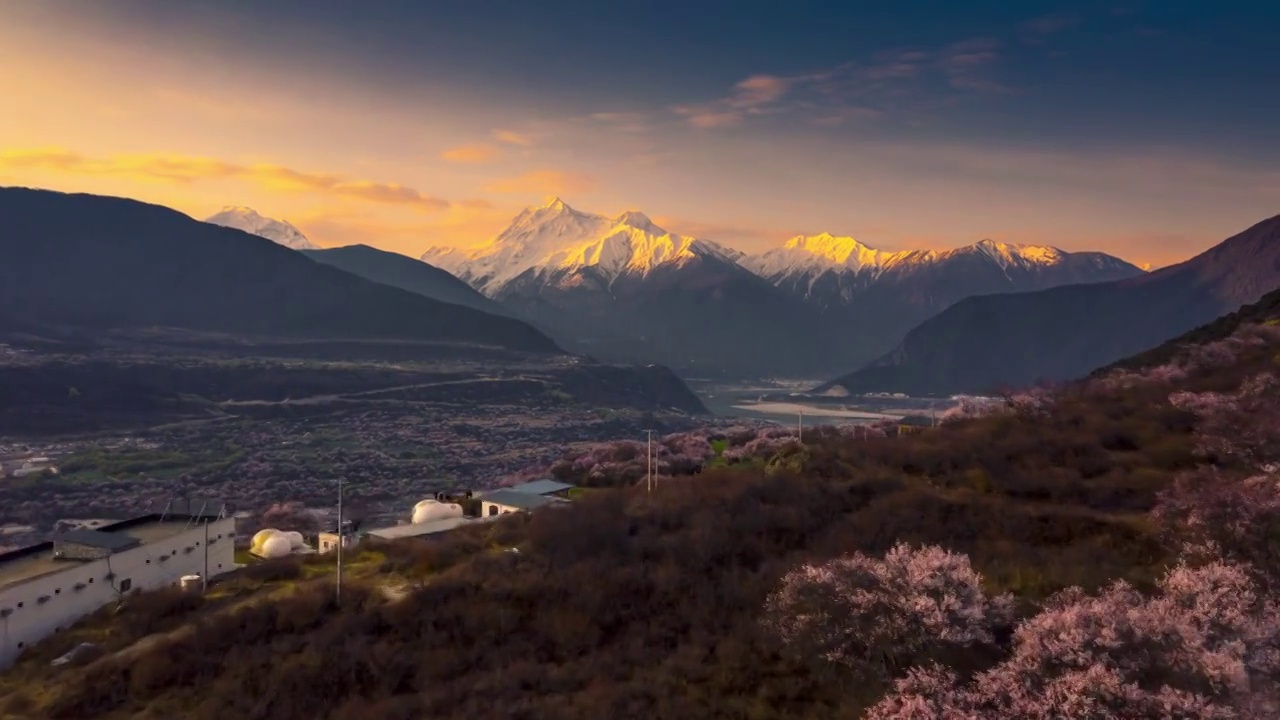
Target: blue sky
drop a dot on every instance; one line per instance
(1142, 128)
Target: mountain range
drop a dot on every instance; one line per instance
(103, 262)
(982, 343)
(624, 288)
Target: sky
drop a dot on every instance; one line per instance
(1143, 129)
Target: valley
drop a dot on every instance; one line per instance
(786, 401)
(130, 419)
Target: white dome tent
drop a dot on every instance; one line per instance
(272, 543)
(432, 509)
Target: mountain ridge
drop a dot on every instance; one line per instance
(1068, 331)
(406, 273)
(115, 262)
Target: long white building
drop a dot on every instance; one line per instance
(47, 587)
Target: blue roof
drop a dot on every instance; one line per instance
(541, 487)
(519, 500)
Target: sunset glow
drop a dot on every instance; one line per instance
(355, 135)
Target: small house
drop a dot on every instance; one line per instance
(545, 488)
(500, 502)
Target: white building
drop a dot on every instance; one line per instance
(47, 587)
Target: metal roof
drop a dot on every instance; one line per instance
(541, 487)
(519, 500)
(419, 529)
(114, 542)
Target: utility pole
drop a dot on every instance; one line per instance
(204, 576)
(341, 541)
(648, 471)
(800, 426)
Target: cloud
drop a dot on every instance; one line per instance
(964, 65)
(186, 169)
(628, 122)
(510, 137)
(466, 223)
(544, 182)
(887, 83)
(752, 96)
(1049, 24)
(478, 153)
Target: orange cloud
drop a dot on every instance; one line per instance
(751, 96)
(466, 223)
(544, 182)
(187, 169)
(478, 153)
(511, 137)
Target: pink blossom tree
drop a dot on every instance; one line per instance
(1207, 646)
(1215, 515)
(1243, 426)
(878, 616)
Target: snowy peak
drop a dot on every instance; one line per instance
(248, 220)
(1004, 254)
(815, 254)
(555, 240)
(637, 219)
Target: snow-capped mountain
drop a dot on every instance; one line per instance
(556, 242)
(624, 289)
(837, 271)
(248, 220)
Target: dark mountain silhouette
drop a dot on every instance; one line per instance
(1266, 310)
(982, 343)
(702, 315)
(105, 262)
(406, 273)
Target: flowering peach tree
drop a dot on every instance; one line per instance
(1207, 646)
(876, 616)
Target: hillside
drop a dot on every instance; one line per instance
(634, 604)
(983, 343)
(396, 270)
(1265, 311)
(108, 262)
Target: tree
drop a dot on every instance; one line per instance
(1206, 647)
(878, 616)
